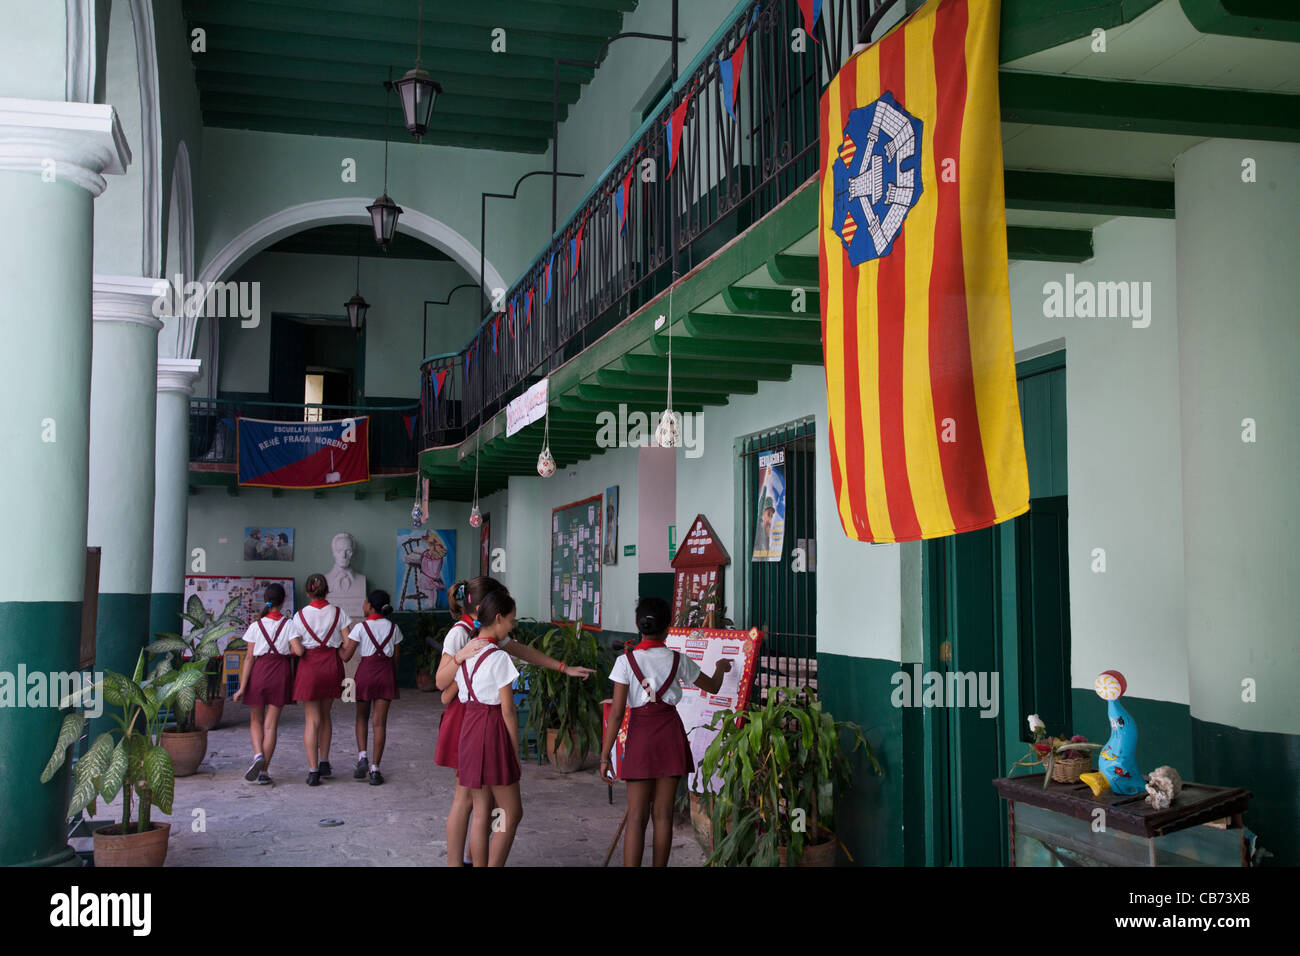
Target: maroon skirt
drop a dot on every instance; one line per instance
(270, 683)
(447, 746)
(320, 675)
(376, 678)
(656, 744)
(487, 758)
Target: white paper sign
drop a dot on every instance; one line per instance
(527, 408)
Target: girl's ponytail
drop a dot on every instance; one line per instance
(379, 599)
(273, 595)
(457, 598)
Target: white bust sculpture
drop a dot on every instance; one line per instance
(347, 586)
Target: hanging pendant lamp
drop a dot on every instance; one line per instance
(417, 90)
(357, 306)
(383, 211)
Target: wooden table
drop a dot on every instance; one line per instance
(1129, 826)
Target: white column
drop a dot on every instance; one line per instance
(52, 159)
(176, 378)
(122, 407)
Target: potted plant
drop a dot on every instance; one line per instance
(566, 713)
(137, 763)
(187, 741)
(776, 769)
(427, 655)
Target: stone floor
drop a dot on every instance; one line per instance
(568, 819)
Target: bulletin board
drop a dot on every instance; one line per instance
(575, 562)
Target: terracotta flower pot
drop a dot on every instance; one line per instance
(564, 759)
(207, 713)
(187, 750)
(816, 854)
(702, 822)
(114, 848)
(424, 680)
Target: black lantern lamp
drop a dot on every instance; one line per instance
(383, 211)
(418, 93)
(417, 90)
(357, 306)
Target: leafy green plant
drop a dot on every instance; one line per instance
(200, 645)
(777, 768)
(137, 762)
(426, 656)
(558, 702)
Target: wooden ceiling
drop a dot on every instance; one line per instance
(317, 67)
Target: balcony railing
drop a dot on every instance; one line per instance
(614, 255)
(392, 441)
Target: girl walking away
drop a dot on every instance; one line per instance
(266, 681)
(459, 646)
(376, 678)
(488, 754)
(317, 634)
(657, 754)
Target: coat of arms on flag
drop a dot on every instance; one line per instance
(925, 433)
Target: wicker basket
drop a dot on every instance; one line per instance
(1069, 771)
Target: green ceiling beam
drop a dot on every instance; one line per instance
(1084, 103)
(296, 26)
(442, 121)
(743, 351)
(510, 144)
(1094, 195)
(742, 327)
(297, 31)
(568, 16)
(614, 378)
(221, 66)
(1256, 19)
(369, 95)
(790, 270)
(648, 408)
(653, 365)
(382, 56)
(773, 303)
(613, 397)
(1049, 245)
(1032, 25)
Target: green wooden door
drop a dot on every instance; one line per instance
(996, 608)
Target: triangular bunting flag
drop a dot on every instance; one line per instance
(673, 129)
(812, 11)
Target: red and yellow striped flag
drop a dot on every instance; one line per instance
(925, 434)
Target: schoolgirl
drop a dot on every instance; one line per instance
(266, 680)
(657, 754)
(317, 635)
(488, 751)
(459, 646)
(377, 637)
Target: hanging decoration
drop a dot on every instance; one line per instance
(475, 516)
(417, 513)
(729, 68)
(668, 435)
(545, 461)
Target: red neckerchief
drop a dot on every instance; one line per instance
(374, 617)
(274, 615)
(648, 644)
(319, 602)
(484, 637)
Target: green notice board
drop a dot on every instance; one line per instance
(575, 562)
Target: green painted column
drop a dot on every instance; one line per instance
(176, 379)
(120, 524)
(52, 157)
(1237, 248)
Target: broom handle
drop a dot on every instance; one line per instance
(621, 824)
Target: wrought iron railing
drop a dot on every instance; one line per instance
(740, 156)
(392, 429)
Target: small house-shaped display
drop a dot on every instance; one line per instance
(698, 577)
